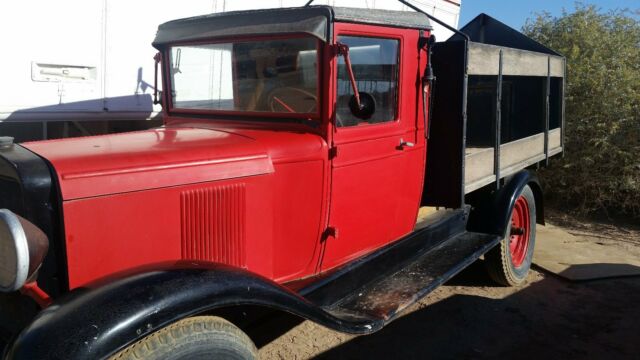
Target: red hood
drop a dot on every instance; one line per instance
(108, 164)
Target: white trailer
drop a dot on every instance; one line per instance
(83, 67)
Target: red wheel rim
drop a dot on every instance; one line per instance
(520, 231)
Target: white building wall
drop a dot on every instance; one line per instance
(92, 59)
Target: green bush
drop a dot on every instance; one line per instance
(601, 169)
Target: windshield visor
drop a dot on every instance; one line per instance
(267, 76)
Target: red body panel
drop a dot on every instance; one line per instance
(117, 232)
(376, 183)
(256, 194)
(300, 190)
(141, 198)
(101, 165)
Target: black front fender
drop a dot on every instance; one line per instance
(97, 321)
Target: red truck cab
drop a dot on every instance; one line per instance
(290, 173)
(301, 184)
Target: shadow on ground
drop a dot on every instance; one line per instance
(472, 318)
(551, 318)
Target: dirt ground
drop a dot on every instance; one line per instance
(471, 318)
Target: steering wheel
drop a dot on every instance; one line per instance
(282, 98)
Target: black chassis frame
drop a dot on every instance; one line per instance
(111, 313)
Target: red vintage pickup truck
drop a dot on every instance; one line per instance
(334, 163)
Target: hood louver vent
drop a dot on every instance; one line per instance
(213, 224)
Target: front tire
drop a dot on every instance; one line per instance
(201, 337)
(509, 262)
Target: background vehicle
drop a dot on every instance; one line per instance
(310, 162)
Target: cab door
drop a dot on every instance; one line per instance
(378, 163)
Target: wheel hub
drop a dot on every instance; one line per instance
(520, 232)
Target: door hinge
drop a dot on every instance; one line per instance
(334, 49)
(330, 231)
(333, 152)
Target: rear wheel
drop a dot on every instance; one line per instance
(201, 337)
(509, 262)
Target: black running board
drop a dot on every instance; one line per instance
(386, 298)
(378, 287)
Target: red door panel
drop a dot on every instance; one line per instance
(376, 180)
(373, 202)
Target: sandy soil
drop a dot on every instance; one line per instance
(605, 232)
(471, 318)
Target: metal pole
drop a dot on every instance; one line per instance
(45, 130)
(547, 113)
(465, 93)
(415, 8)
(564, 91)
(498, 127)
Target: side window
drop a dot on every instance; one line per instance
(375, 66)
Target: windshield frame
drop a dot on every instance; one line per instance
(262, 115)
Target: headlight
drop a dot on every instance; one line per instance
(22, 250)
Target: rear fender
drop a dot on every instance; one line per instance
(97, 321)
(491, 212)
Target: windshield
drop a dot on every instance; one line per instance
(272, 76)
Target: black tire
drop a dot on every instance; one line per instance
(201, 337)
(499, 261)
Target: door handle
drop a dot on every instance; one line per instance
(404, 144)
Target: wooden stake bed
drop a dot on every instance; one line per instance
(514, 156)
(498, 109)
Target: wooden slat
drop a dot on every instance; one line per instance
(514, 156)
(485, 59)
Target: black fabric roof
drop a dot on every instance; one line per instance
(402, 19)
(487, 30)
(312, 20)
